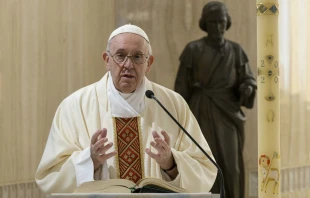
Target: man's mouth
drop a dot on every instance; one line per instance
(127, 76)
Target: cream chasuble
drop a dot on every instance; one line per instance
(66, 161)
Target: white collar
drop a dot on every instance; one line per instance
(126, 105)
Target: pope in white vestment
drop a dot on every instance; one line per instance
(66, 162)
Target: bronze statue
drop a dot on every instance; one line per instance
(215, 79)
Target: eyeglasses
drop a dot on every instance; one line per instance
(122, 58)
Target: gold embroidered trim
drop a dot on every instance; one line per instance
(139, 141)
(142, 148)
(116, 161)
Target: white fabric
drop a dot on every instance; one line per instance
(126, 107)
(129, 29)
(294, 48)
(83, 167)
(81, 114)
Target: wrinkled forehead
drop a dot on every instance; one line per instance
(128, 42)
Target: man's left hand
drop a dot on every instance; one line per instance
(164, 155)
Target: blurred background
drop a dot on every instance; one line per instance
(51, 48)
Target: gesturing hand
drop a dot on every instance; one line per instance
(99, 146)
(164, 155)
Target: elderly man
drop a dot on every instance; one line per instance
(111, 130)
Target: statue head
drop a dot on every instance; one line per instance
(215, 19)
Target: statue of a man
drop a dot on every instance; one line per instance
(215, 79)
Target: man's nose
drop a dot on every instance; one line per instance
(128, 64)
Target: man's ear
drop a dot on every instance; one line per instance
(149, 63)
(106, 59)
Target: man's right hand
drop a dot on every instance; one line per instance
(99, 146)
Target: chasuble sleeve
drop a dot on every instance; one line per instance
(65, 163)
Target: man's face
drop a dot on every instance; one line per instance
(127, 76)
(216, 24)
